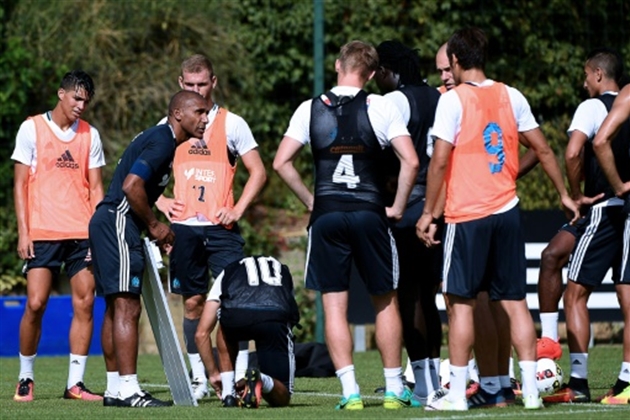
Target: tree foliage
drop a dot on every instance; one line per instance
(263, 56)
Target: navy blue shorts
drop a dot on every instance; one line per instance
(73, 254)
(117, 253)
(274, 348)
(576, 229)
(420, 267)
(600, 248)
(337, 239)
(197, 249)
(486, 254)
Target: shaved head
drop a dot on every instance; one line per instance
(181, 99)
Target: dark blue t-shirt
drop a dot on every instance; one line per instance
(150, 156)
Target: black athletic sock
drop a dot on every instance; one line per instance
(619, 386)
(190, 328)
(578, 384)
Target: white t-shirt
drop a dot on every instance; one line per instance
(448, 115)
(402, 103)
(240, 139)
(25, 142)
(386, 120)
(588, 117)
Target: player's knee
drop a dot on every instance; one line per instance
(35, 307)
(552, 258)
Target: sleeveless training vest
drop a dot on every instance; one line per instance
(257, 289)
(595, 180)
(205, 173)
(59, 205)
(346, 151)
(481, 177)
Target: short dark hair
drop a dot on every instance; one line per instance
(78, 79)
(470, 45)
(401, 59)
(608, 60)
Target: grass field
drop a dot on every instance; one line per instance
(313, 398)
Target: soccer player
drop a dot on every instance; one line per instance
(443, 67)
(203, 213)
(476, 128)
(399, 78)
(604, 244)
(253, 300)
(58, 159)
(603, 69)
(348, 129)
(142, 173)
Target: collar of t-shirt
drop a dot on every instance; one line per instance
(487, 82)
(345, 90)
(66, 135)
(212, 114)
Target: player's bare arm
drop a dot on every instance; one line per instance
(20, 195)
(203, 340)
(95, 178)
(409, 163)
(134, 190)
(283, 165)
(257, 178)
(536, 139)
(435, 195)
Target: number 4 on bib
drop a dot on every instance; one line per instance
(344, 172)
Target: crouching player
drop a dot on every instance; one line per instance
(253, 300)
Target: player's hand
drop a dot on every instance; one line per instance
(393, 214)
(227, 216)
(584, 202)
(170, 207)
(162, 235)
(426, 230)
(571, 209)
(215, 383)
(25, 249)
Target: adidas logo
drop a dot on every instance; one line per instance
(626, 371)
(199, 148)
(576, 362)
(75, 362)
(66, 161)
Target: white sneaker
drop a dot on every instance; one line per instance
(200, 388)
(438, 401)
(533, 402)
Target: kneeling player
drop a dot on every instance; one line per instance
(253, 299)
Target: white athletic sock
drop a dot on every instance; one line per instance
(473, 372)
(579, 365)
(505, 382)
(348, 381)
(624, 373)
(511, 368)
(458, 378)
(490, 384)
(197, 367)
(528, 378)
(113, 384)
(27, 367)
(227, 382)
(128, 386)
(267, 383)
(420, 374)
(393, 380)
(549, 324)
(76, 369)
(242, 362)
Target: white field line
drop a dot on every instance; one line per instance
(578, 409)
